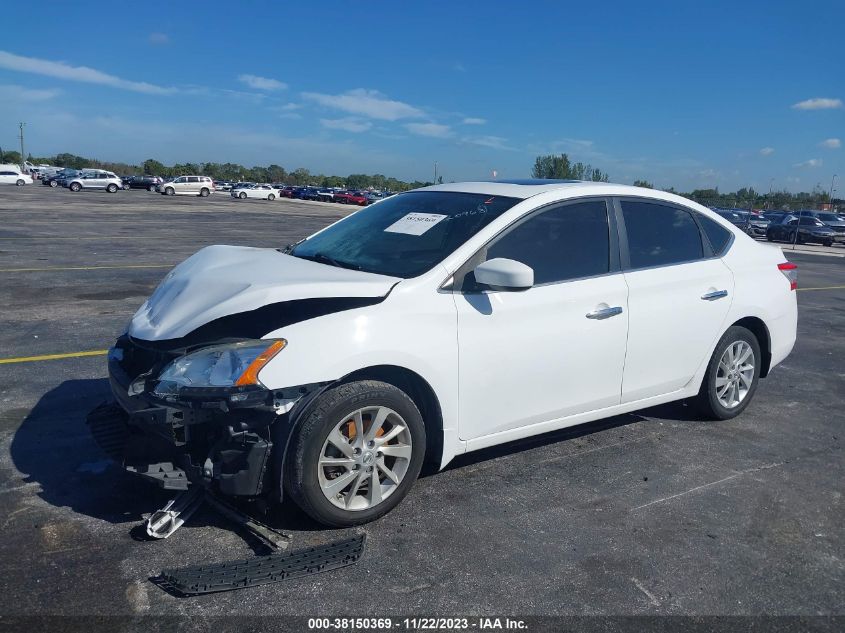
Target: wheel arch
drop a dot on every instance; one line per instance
(417, 388)
(758, 328)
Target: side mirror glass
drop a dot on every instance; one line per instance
(504, 274)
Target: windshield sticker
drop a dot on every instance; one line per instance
(415, 223)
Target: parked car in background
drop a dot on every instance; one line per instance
(262, 192)
(288, 191)
(351, 197)
(833, 220)
(146, 182)
(754, 224)
(95, 179)
(59, 179)
(800, 229)
(13, 177)
(222, 185)
(187, 186)
(308, 193)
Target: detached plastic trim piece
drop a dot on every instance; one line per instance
(261, 570)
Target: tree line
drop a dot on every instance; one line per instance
(549, 166)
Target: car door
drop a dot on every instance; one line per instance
(556, 349)
(680, 294)
(8, 177)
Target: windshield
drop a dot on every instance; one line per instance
(404, 236)
(828, 217)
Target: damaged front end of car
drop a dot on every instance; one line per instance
(194, 416)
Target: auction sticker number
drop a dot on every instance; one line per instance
(415, 223)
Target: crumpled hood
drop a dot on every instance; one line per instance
(220, 281)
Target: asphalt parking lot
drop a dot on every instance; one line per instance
(649, 513)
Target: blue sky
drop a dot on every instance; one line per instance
(682, 94)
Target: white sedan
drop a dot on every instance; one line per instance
(442, 321)
(262, 192)
(9, 177)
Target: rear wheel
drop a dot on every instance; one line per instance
(732, 375)
(152, 188)
(53, 183)
(204, 192)
(20, 183)
(271, 197)
(828, 242)
(356, 454)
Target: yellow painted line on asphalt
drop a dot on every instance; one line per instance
(33, 359)
(61, 268)
(824, 288)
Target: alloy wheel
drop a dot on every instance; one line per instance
(735, 374)
(364, 458)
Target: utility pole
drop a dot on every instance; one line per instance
(830, 195)
(23, 156)
(435, 172)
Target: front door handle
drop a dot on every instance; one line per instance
(604, 313)
(716, 294)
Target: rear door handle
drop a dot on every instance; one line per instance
(716, 294)
(604, 313)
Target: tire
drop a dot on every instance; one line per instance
(170, 191)
(798, 239)
(710, 402)
(204, 193)
(75, 186)
(53, 183)
(329, 412)
(828, 242)
(151, 188)
(769, 237)
(111, 188)
(271, 197)
(242, 195)
(20, 183)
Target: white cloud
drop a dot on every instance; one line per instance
(348, 124)
(819, 103)
(159, 39)
(459, 68)
(368, 103)
(12, 93)
(84, 74)
(434, 130)
(491, 142)
(813, 162)
(289, 107)
(831, 143)
(471, 120)
(262, 83)
(767, 151)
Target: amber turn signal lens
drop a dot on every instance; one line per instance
(250, 376)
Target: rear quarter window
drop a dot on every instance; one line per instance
(716, 234)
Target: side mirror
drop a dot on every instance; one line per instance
(504, 274)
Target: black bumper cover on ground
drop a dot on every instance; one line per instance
(262, 570)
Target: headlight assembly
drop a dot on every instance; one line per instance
(220, 366)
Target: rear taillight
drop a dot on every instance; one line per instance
(790, 271)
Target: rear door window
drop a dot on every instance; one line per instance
(660, 235)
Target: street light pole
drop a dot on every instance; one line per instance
(830, 195)
(23, 156)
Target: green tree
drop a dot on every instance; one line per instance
(560, 167)
(643, 183)
(154, 168)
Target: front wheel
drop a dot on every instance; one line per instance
(828, 242)
(75, 186)
(170, 191)
(111, 188)
(356, 453)
(242, 195)
(732, 375)
(152, 188)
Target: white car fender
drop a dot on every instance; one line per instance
(414, 328)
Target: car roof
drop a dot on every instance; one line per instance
(527, 188)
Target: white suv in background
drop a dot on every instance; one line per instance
(95, 179)
(188, 186)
